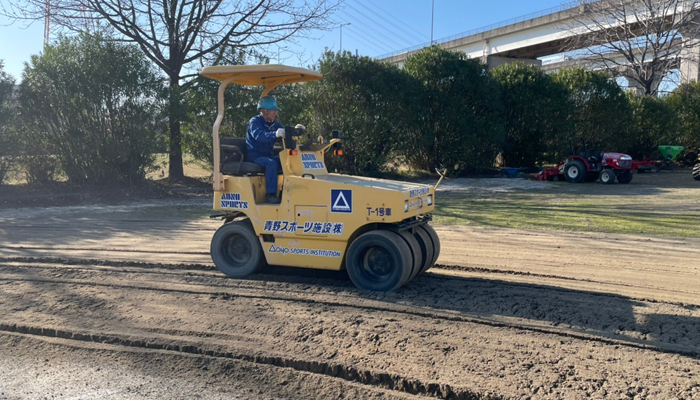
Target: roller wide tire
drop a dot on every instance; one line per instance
(426, 246)
(416, 253)
(696, 172)
(236, 250)
(435, 241)
(379, 260)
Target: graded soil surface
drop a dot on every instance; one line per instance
(123, 302)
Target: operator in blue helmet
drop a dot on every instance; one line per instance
(263, 131)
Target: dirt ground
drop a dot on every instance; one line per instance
(121, 301)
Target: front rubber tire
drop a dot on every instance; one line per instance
(236, 250)
(575, 171)
(607, 176)
(625, 177)
(379, 260)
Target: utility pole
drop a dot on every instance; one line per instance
(47, 21)
(341, 35)
(432, 20)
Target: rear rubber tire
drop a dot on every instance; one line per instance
(575, 171)
(625, 177)
(436, 243)
(696, 172)
(416, 253)
(379, 261)
(235, 250)
(426, 246)
(607, 176)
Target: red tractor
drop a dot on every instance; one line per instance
(589, 167)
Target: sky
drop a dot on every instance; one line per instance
(376, 28)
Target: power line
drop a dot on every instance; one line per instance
(370, 39)
(365, 42)
(377, 38)
(421, 35)
(378, 24)
(377, 44)
(418, 38)
(384, 36)
(360, 35)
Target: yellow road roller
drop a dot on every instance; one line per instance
(377, 229)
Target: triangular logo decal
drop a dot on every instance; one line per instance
(341, 201)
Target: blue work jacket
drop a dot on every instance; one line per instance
(260, 137)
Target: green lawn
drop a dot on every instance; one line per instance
(667, 212)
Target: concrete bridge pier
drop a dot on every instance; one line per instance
(690, 52)
(690, 61)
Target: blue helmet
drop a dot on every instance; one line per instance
(267, 103)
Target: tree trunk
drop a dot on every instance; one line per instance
(175, 170)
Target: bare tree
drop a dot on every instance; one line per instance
(176, 34)
(641, 40)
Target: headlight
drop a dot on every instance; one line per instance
(405, 206)
(430, 200)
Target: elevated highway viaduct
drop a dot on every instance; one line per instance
(528, 38)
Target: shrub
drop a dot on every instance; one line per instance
(600, 113)
(685, 104)
(7, 137)
(536, 115)
(653, 123)
(460, 123)
(369, 101)
(93, 104)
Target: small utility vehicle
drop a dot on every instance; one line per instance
(590, 166)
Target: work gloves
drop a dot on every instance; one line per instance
(280, 133)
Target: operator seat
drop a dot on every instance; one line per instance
(234, 153)
(233, 158)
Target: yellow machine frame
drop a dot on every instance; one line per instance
(320, 213)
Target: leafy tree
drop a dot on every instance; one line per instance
(177, 35)
(366, 100)
(685, 102)
(639, 40)
(653, 122)
(536, 115)
(601, 113)
(94, 106)
(7, 140)
(460, 122)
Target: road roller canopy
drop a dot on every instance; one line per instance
(269, 76)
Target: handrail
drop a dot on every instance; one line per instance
(218, 179)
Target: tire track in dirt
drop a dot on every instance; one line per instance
(252, 291)
(434, 273)
(560, 277)
(348, 373)
(60, 248)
